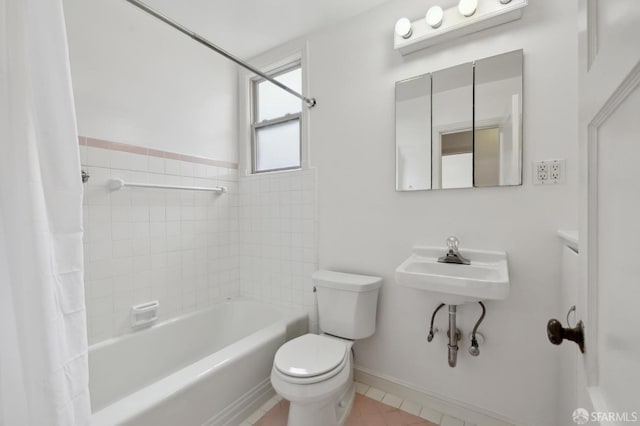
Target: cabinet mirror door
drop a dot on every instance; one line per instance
(498, 120)
(413, 134)
(452, 127)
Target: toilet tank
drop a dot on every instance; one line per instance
(347, 303)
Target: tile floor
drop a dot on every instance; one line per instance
(372, 407)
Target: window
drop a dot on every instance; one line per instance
(276, 122)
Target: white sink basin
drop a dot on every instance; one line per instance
(486, 278)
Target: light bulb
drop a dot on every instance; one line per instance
(467, 7)
(403, 28)
(434, 16)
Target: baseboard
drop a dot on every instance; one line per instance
(451, 407)
(244, 406)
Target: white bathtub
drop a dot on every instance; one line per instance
(200, 369)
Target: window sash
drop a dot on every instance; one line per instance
(255, 126)
(268, 123)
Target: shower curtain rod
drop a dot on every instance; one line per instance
(310, 102)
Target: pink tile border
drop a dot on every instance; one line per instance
(134, 149)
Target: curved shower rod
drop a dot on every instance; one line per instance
(310, 102)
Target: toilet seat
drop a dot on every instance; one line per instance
(310, 359)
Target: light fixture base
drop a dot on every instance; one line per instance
(488, 14)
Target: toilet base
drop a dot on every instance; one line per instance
(334, 413)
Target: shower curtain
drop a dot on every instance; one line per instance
(43, 343)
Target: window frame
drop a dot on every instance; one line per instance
(255, 126)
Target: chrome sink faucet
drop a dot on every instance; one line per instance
(453, 255)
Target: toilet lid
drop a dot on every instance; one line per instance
(310, 355)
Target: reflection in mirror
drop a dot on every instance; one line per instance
(413, 134)
(498, 120)
(456, 159)
(452, 127)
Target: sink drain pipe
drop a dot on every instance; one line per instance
(453, 337)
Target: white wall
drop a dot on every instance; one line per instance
(367, 227)
(138, 81)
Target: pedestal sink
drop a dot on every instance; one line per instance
(486, 278)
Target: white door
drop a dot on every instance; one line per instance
(609, 119)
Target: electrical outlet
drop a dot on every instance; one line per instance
(540, 172)
(556, 171)
(548, 172)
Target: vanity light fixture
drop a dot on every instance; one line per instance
(434, 16)
(462, 18)
(467, 7)
(403, 28)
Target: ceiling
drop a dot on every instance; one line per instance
(248, 27)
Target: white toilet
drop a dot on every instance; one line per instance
(315, 372)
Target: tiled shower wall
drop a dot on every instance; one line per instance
(188, 249)
(277, 236)
(177, 247)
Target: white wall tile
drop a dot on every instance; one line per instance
(98, 157)
(143, 244)
(100, 250)
(121, 230)
(129, 161)
(121, 248)
(158, 213)
(83, 155)
(172, 167)
(99, 231)
(276, 221)
(156, 165)
(187, 169)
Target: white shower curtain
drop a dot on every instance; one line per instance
(43, 343)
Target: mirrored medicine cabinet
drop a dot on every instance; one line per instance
(461, 127)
